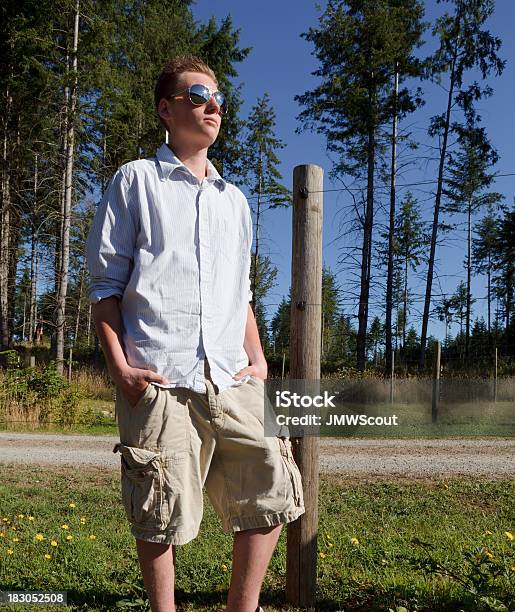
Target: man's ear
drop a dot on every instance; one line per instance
(162, 109)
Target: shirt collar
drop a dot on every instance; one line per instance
(169, 162)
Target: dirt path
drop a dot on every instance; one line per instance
(486, 456)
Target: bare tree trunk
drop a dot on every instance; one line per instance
(391, 233)
(33, 247)
(24, 325)
(5, 228)
(65, 247)
(489, 299)
(79, 301)
(256, 242)
(436, 214)
(509, 289)
(366, 259)
(14, 236)
(405, 300)
(469, 266)
(89, 322)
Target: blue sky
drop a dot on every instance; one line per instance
(281, 64)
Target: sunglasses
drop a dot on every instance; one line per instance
(200, 94)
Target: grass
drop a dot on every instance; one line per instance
(395, 521)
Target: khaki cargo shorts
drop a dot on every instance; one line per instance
(176, 441)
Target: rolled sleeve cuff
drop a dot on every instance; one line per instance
(95, 295)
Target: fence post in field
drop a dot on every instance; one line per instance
(436, 384)
(495, 375)
(305, 338)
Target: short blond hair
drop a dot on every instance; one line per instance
(169, 76)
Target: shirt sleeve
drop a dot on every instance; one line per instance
(111, 240)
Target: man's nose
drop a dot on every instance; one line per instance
(213, 104)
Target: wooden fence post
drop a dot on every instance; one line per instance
(436, 384)
(305, 338)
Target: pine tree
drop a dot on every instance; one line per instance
(266, 273)
(463, 45)
(504, 266)
(280, 327)
(258, 171)
(411, 241)
(330, 311)
(359, 45)
(465, 191)
(483, 248)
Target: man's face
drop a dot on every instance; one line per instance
(196, 125)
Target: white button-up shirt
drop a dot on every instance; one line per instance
(177, 254)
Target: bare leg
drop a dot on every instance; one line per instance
(157, 563)
(252, 551)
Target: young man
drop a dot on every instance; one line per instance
(169, 260)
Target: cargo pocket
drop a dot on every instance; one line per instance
(292, 470)
(142, 486)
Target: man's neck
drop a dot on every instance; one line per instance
(194, 160)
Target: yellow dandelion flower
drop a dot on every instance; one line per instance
(513, 569)
(488, 532)
(64, 527)
(13, 528)
(20, 516)
(31, 518)
(509, 535)
(72, 505)
(330, 544)
(10, 551)
(323, 555)
(82, 520)
(47, 556)
(39, 537)
(354, 541)
(92, 537)
(2, 534)
(16, 539)
(53, 543)
(489, 554)
(69, 537)
(4, 519)
(224, 567)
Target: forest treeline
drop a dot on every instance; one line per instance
(77, 81)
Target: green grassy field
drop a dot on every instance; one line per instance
(373, 534)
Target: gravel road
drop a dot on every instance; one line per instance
(493, 457)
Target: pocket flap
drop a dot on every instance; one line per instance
(136, 457)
